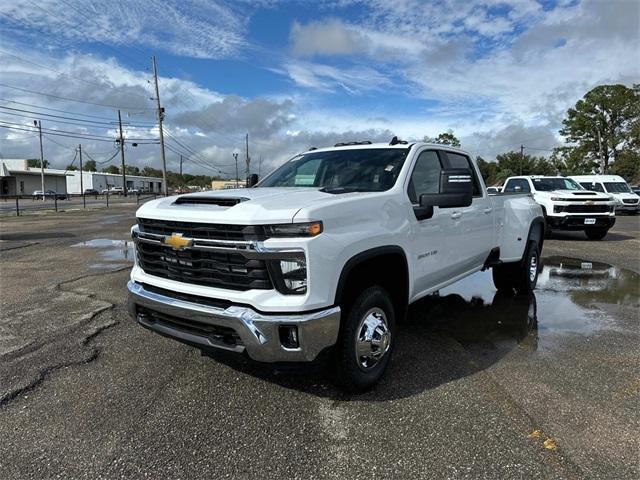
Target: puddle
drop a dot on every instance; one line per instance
(572, 297)
(110, 250)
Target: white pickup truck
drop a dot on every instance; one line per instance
(326, 253)
(566, 204)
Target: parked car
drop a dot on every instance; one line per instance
(636, 190)
(626, 200)
(113, 191)
(493, 190)
(49, 194)
(327, 253)
(91, 191)
(566, 205)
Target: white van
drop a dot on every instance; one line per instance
(615, 187)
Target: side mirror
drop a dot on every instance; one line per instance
(456, 190)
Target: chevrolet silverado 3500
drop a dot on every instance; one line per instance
(567, 205)
(326, 253)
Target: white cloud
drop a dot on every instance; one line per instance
(193, 28)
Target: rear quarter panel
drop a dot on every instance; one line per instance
(514, 215)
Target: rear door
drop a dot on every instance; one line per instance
(474, 228)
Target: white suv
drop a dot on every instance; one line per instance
(615, 186)
(566, 204)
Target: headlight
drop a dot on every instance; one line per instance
(289, 276)
(309, 229)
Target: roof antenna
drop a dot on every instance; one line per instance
(394, 140)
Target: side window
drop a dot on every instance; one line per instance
(426, 175)
(460, 161)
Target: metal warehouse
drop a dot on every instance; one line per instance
(17, 178)
(102, 181)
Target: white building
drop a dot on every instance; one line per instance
(101, 181)
(17, 178)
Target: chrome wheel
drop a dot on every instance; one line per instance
(533, 268)
(373, 338)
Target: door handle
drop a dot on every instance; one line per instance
(456, 215)
(488, 210)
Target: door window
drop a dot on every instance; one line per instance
(426, 175)
(593, 186)
(461, 161)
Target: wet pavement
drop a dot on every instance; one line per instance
(481, 385)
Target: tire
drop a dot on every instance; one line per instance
(596, 233)
(370, 315)
(521, 276)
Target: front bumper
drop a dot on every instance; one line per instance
(235, 328)
(576, 222)
(627, 207)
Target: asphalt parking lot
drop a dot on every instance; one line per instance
(481, 386)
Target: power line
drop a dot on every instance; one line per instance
(116, 107)
(111, 124)
(59, 110)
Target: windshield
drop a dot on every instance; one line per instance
(617, 187)
(357, 170)
(555, 183)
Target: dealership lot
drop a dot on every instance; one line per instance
(481, 386)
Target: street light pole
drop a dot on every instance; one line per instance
(124, 176)
(235, 156)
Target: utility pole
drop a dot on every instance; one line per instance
(259, 166)
(81, 185)
(601, 160)
(38, 123)
(180, 167)
(160, 118)
(124, 176)
(235, 156)
(521, 157)
(248, 158)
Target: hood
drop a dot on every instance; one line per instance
(574, 195)
(237, 206)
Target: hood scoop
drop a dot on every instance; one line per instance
(583, 193)
(219, 201)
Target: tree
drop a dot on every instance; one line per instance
(111, 169)
(131, 170)
(35, 163)
(628, 166)
(445, 138)
(604, 123)
(90, 166)
(488, 170)
(572, 161)
(512, 163)
(71, 168)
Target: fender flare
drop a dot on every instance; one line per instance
(364, 256)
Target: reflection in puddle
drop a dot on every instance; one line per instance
(110, 250)
(571, 298)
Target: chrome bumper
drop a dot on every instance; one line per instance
(259, 333)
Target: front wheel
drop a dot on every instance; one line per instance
(521, 276)
(366, 340)
(596, 233)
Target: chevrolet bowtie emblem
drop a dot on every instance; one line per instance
(177, 242)
(589, 202)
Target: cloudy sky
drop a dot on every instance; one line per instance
(295, 74)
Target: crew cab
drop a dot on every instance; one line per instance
(323, 257)
(626, 200)
(566, 204)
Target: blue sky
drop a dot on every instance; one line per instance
(299, 73)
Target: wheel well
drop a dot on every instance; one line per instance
(385, 266)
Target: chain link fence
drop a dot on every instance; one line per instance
(27, 204)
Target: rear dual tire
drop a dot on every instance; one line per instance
(521, 276)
